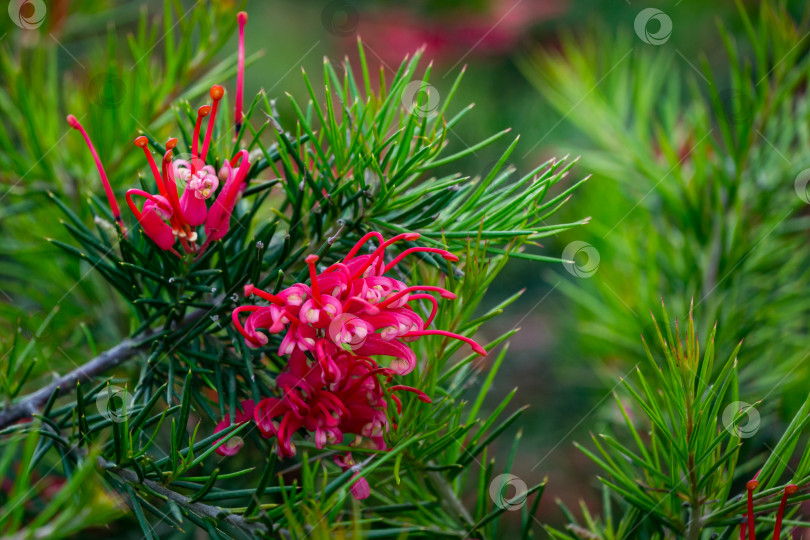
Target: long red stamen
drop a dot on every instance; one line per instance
(251, 289)
(445, 255)
(394, 297)
(231, 189)
(742, 529)
(750, 487)
(398, 402)
(216, 94)
(240, 72)
(75, 124)
(133, 206)
(432, 299)
(475, 346)
(202, 112)
(313, 275)
(168, 181)
(380, 251)
(790, 489)
(360, 243)
(238, 324)
(423, 397)
(142, 142)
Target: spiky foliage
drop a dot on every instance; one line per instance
(673, 460)
(696, 190)
(356, 160)
(699, 194)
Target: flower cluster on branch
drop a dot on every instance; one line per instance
(334, 328)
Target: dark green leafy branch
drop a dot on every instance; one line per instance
(358, 159)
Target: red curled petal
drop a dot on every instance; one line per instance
(423, 397)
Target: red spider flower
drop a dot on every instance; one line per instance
(349, 313)
(356, 404)
(167, 217)
(352, 305)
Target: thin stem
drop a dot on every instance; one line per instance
(127, 349)
(214, 512)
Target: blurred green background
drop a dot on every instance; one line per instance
(579, 334)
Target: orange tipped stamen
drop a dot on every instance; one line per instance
(75, 124)
(216, 94)
(475, 346)
(780, 514)
(142, 142)
(750, 487)
(240, 72)
(313, 275)
(202, 112)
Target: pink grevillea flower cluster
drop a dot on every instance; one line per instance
(748, 518)
(336, 332)
(168, 218)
